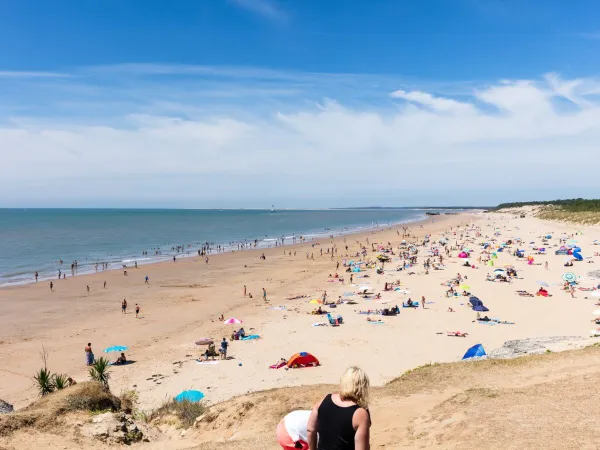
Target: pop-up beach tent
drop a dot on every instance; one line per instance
(476, 351)
(478, 305)
(302, 359)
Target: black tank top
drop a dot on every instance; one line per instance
(335, 426)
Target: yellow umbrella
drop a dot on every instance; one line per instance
(315, 302)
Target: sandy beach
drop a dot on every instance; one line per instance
(184, 299)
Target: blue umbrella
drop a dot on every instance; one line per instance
(116, 348)
(190, 396)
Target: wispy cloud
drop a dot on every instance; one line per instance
(265, 8)
(31, 74)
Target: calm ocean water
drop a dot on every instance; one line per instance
(36, 239)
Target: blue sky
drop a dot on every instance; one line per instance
(211, 103)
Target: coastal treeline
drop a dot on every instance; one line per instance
(571, 205)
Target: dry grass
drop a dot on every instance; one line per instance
(582, 218)
(184, 413)
(48, 411)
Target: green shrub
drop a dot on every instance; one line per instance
(100, 372)
(44, 380)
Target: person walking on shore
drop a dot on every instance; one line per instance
(264, 294)
(124, 306)
(146, 280)
(244, 290)
(36, 276)
(51, 286)
(137, 311)
(342, 421)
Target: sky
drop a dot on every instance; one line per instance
(297, 103)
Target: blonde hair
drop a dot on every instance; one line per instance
(354, 386)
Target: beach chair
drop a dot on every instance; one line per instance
(333, 322)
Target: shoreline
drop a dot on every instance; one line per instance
(228, 248)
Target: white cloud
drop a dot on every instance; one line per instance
(436, 103)
(306, 151)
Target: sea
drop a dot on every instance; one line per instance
(39, 239)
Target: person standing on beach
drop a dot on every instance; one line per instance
(146, 280)
(342, 421)
(423, 301)
(137, 311)
(105, 285)
(244, 290)
(51, 286)
(124, 306)
(89, 355)
(223, 349)
(264, 294)
(88, 288)
(36, 276)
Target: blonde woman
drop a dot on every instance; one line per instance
(342, 421)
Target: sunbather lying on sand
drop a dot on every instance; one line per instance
(297, 297)
(524, 294)
(457, 334)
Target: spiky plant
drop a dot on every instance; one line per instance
(60, 380)
(100, 371)
(44, 381)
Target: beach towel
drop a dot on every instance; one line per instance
(414, 305)
(319, 324)
(279, 365)
(206, 363)
(250, 337)
(377, 322)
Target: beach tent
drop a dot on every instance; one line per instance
(478, 305)
(463, 255)
(476, 351)
(577, 254)
(302, 359)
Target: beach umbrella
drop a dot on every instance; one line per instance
(543, 283)
(190, 396)
(116, 348)
(315, 301)
(364, 288)
(232, 321)
(569, 276)
(204, 341)
(499, 271)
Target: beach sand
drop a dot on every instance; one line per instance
(184, 299)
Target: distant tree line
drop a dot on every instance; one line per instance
(572, 205)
